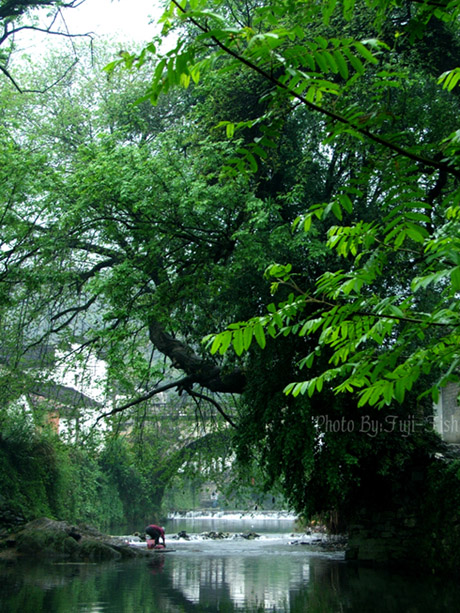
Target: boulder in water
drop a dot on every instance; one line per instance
(51, 538)
(250, 536)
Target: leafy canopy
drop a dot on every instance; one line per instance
(390, 314)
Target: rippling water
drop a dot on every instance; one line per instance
(270, 523)
(264, 575)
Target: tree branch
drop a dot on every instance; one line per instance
(16, 8)
(49, 31)
(157, 390)
(13, 9)
(431, 163)
(194, 394)
(37, 91)
(201, 371)
(8, 76)
(330, 305)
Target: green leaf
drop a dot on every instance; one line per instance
(364, 51)
(341, 64)
(331, 61)
(354, 61)
(185, 80)
(455, 278)
(321, 61)
(416, 233)
(336, 209)
(216, 343)
(322, 42)
(226, 340)
(260, 335)
(289, 388)
(346, 203)
(449, 79)
(238, 342)
(348, 8)
(328, 10)
(247, 337)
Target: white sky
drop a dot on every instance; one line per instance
(129, 19)
(121, 20)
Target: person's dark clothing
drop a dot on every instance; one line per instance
(156, 532)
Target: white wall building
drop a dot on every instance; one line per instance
(447, 413)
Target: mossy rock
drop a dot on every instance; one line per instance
(50, 538)
(127, 552)
(95, 551)
(46, 537)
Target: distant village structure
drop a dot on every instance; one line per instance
(71, 394)
(75, 394)
(447, 414)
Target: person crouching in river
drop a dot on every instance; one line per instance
(155, 533)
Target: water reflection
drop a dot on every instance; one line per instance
(244, 579)
(179, 585)
(266, 575)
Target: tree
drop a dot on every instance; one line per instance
(118, 235)
(412, 176)
(122, 239)
(19, 16)
(379, 321)
(159, 243)
(144, 228)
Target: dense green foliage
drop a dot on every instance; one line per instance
(40, 476)
(117, 482)
(377, 321)
(317, 142)
(407, 170)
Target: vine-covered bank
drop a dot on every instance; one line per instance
(42, 476)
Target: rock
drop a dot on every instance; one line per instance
(134, 538)
(45, 536)
(74, 534)
(250, 536)
(9, 518)
(215, 535)
(127, 552)
(96, 551)
(50, 538)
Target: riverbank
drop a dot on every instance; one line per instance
(278, 571)
(49, 538)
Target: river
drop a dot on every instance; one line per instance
(272, 573)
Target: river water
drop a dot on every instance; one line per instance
(273, 573)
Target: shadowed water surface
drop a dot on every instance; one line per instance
(267, 574)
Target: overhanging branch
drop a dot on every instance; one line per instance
(195, 394)
(16, 8)
(391, 146)
(37, 91)
(12, 10)
(199, 370)
(140, 399)
(325, 306)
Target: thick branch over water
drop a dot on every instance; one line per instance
(200, 371)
